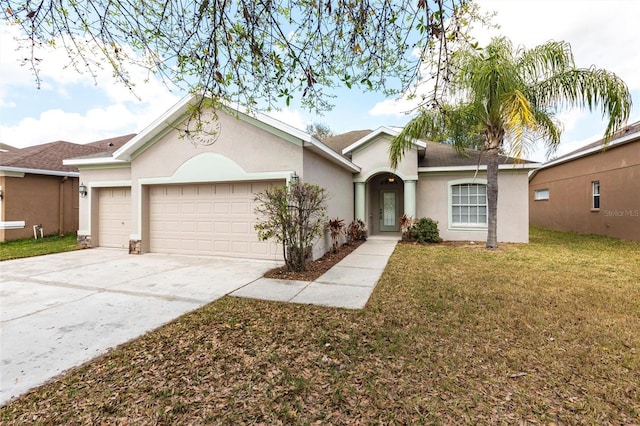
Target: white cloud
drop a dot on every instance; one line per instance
(292, 117)
(111, 108)
(601, 33)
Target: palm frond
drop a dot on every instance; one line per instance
(425, 123)
(588, 88)
(544, 61)
(549, 130)
(519, 118)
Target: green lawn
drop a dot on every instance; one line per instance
(543, 333)
(32, 247)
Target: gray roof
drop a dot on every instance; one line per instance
(443, 155)
(436, 154)
(340, 142)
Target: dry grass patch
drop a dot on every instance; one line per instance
(530, 334)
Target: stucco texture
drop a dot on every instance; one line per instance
(570, 203)
(433, 201)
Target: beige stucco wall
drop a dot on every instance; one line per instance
(245, 148)
(252, 148)
(373, 157)
(432, 195)
(569, 207)
(339, 184)
(50, 201)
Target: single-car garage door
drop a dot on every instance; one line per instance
(114, 217)
(208, 219)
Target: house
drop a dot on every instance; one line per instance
(36, 189)
(174, 189)
(592, 190)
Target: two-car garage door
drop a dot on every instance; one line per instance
(207, 219)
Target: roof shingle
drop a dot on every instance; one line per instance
(49, 156)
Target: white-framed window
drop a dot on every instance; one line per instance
(541, 194)
(595, 190)
(468, 203)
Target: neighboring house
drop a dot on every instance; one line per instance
(592, 190)
(172, 191)
(37, 189)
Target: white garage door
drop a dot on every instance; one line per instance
(208, 219)
(114, 217)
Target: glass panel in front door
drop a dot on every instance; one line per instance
(388, 217)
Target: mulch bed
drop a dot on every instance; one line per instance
(314, 268)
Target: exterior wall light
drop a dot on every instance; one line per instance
(82, 189)
(295, 179)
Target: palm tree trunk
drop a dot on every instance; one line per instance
(492, 195)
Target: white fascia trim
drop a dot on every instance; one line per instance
(158, 126)
(78, 162)
(12, 224)
(307, 139)
(327, 152)
(524, 166)
(591, 150)
(24, 170)
(180, 109)
(270, 121)
(386, 169)
(6, 173)
(374, 134)
(110, 184)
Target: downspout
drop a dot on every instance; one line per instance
(61, 206)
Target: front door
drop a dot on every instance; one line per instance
(388, 211)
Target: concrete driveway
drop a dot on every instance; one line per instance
(59, 311)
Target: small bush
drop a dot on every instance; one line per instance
(336, 230)
(293, 215)
(424, 230)
(356, 231)
(406, 222)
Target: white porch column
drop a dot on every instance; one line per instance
(410, 198)
(359, 201)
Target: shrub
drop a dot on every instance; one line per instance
(294, 216)
(356, 231)
(336, 230)
(424, 230)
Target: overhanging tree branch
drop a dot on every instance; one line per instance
(248, 51)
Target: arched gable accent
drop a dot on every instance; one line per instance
(214, 167)
(378, 170)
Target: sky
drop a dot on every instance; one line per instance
(75, 107)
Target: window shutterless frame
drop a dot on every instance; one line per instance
(541, 194)
(595, 190)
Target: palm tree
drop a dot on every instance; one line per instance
(508, 98)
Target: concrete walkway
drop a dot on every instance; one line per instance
(348, 284)
(62, 310)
